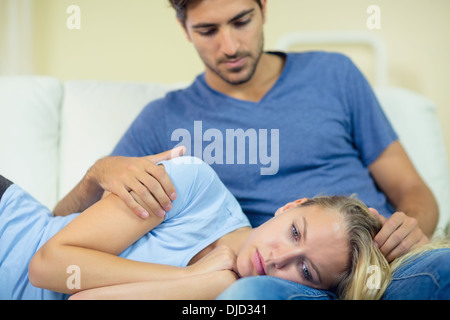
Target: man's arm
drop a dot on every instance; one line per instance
(417, 210)
(120, 175)
(83, 195)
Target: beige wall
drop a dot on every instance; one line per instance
(139, 40)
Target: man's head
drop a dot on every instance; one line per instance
(227, 34)
(180, 7)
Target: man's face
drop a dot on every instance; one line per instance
(228, 35)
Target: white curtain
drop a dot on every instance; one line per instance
(16, 41)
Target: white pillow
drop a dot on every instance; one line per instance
(415, 121)
(29, 124)
(95, 115)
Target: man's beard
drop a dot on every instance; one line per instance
(245, 78)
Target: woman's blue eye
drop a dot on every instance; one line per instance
(305, 271)
(294, 232)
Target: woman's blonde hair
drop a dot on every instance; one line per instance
(368, 273)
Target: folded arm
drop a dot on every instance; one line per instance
(198, 287)
(92, 242)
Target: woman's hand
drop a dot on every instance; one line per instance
(219, 259)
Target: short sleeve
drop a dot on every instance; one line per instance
(199, 188)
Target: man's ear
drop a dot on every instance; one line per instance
(264, 9)
(290, 205)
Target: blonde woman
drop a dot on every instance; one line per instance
(199, 249)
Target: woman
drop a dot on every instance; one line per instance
(202, 245)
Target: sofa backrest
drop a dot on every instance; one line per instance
(94, 116)
(416, 123)
(29, 133)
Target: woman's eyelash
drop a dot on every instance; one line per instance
(294, 232)
(304, 268)
(305, 272)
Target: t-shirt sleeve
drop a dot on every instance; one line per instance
(199, 189)
(371, 130)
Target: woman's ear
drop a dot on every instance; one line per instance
(290, 205)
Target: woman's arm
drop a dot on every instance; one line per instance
(200, 287)
(91, 242)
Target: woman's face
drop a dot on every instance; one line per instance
(307, 245)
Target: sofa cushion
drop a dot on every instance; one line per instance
(95, 114)
(415, 121)
(29, 115)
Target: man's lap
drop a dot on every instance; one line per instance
(271, 288)
(422, 278)
(426, 277)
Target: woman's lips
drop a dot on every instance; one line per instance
(258, 263)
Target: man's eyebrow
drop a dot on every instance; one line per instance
(240, 15)
(210, 25)
(305, 230)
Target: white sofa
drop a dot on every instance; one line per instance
(52, 131)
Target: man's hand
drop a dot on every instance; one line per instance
(398, 235)
(148, 181)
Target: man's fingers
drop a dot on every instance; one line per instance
(167, 155)
(151, 205)
(160, 175)
(411, 241)
(399, 235)
(375, 213)
(151, 192)
(132, 204)
(387, 231)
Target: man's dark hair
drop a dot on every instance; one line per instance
(180, 7)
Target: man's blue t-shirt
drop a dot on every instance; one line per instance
(314, 133)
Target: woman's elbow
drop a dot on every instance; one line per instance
(41, 270)
(36, 270)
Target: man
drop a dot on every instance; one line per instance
(327, 132)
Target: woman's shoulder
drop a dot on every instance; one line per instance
(193, 179)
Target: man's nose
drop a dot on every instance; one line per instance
(229, 43)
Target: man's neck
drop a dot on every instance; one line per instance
(269, 69)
